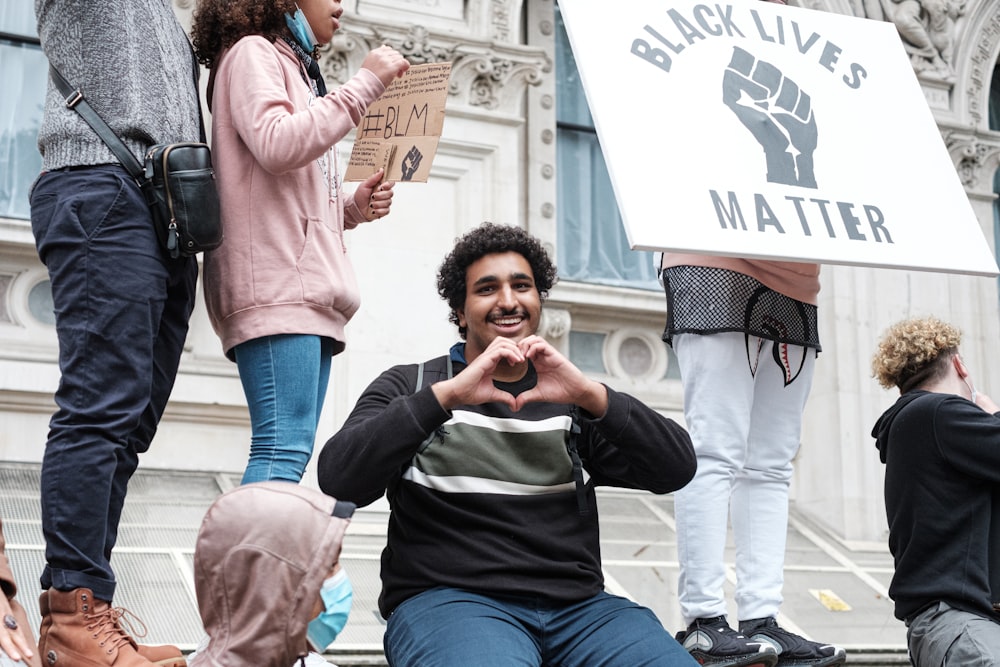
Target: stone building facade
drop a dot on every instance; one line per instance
(499, 160)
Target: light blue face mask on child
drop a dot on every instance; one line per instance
(301, 30)
(337, 595)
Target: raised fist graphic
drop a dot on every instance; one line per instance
(777, 112)
(411, 162)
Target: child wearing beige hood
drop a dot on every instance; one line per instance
(264, 553)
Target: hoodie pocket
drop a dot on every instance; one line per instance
(325, 270)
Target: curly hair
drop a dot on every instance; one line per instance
(218, 24)
(488, 239)
(914, 351)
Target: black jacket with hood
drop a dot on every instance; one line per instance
(942, 479)
(262, 554)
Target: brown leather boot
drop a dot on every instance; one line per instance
(78, 630)
(165, 655)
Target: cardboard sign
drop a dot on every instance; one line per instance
(401, 129)
(759, 130)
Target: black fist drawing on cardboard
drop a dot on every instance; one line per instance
(777, 112)
(411, 162)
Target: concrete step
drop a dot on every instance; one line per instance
(835, 592)
(855, 658)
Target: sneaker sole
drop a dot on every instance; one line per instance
(739, 661)
(834, 661)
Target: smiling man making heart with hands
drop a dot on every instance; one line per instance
(489, 456)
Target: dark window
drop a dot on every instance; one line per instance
(23, 75)
(592, 245)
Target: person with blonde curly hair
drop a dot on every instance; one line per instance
(940, 443)
(914, 350)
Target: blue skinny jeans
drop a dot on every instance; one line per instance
(285, 379)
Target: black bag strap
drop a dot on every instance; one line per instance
(75, 100)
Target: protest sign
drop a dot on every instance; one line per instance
(401, 129)
(766, 131)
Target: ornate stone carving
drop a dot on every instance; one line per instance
(819, 5)
(334, 62)
(981, 67)
(487, 79)
(341, 59)
(5, 282)
(418, 48)
(555, 323)
(500, 19)
(927, 28)
(976, 159)
(486, 75)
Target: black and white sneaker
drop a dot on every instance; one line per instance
(792, 650)
(711, 641)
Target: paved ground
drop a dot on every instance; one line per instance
(832, 593)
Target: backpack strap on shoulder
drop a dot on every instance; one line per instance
(574, 456)
(440, 431)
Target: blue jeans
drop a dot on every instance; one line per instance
(447, 627)
(122, 308)
(284, 378)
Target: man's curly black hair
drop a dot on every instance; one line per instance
(488, 239)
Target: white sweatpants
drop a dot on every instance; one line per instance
(745, 420)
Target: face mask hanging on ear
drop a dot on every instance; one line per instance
(972, 388)
(960, 366)
(337, 595)
(301, 30)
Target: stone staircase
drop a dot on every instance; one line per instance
(834, 592)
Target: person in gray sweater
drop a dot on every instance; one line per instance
(121, 303)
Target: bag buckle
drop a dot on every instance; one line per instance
(74, 98)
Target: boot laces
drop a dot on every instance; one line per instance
(109, 626)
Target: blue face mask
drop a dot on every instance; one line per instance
(337, 595)
(301, 30)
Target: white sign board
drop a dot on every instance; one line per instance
(765, 131)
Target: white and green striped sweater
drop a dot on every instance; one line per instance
(484, 498)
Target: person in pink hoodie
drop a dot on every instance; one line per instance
(281, 288)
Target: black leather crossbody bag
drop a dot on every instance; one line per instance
(177, 181)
